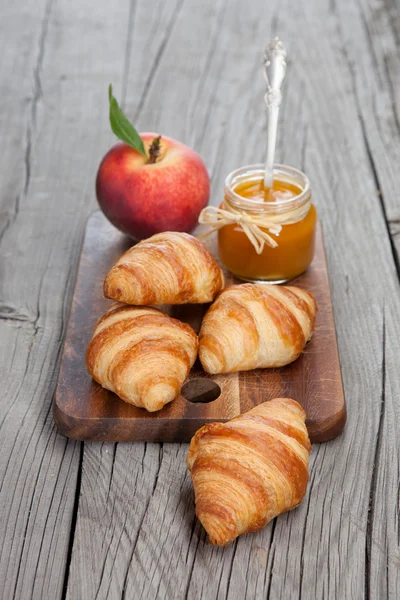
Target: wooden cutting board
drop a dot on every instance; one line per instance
(84, 410)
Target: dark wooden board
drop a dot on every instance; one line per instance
(84, 410)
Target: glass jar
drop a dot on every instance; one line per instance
(291, 219)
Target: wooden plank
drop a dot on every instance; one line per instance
(54, 101)
(83, 409)
(374, 30)
(330, 546)
(376, 91)
(19, 68)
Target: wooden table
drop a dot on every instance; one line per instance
(94, 521)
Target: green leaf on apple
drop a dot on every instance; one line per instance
(122, 127)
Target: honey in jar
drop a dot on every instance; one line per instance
(290, 219)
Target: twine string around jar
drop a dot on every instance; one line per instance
(253, 225)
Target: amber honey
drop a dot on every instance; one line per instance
(254, 189)
(289, 198)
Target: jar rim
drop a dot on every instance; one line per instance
(299, 178)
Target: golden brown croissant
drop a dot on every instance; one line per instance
(168, 268)
(254, 326)
(249, 470)
(141, 354)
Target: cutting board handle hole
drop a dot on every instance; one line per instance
(201, 390)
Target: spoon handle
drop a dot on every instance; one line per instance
(274, 72)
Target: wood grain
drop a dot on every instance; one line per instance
(331, 546)
(191, 69)
(52, 104)
(84, 410)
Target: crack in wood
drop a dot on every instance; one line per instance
(115, 446)
(10, 313)
(33, 497)
(303, 545)
(74, 520)
(55, 531)
(391, 92)
(160, 457)
(11, 406)
(192, 530)
(66, 444)
(190, 575)
(31, 127)
(272, 551)
(229, 579)
(372, 493)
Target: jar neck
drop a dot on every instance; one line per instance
(283, 173)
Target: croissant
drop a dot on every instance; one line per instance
(249, 470)
(168, 268)
(141, 354)
(254, 326)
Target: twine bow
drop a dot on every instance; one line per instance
(253, 225)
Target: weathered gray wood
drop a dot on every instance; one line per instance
(191, 69)
(20, 41)
(373, 30)
(53, 103)
(206, 89)
(368, 34)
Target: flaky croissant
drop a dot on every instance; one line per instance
(254, 326)
(249, 470)
(142, 355)
(168, 268)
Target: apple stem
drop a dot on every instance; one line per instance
(154, 150)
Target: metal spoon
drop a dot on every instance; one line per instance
(274, 73)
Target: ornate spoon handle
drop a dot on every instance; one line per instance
(274, 72)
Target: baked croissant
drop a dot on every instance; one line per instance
(254, 326)
(141, 354)
(167, 268)
(249, 470)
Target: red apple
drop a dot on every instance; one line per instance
(142, 198)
